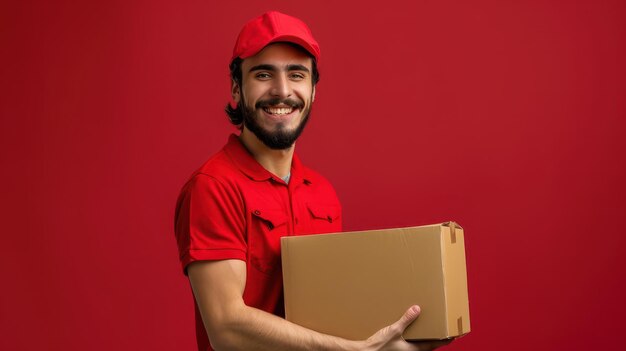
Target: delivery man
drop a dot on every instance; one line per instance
(233, 211)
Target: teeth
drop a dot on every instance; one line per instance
(278, 110)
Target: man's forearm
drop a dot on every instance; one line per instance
(232, 325)
(247, 328)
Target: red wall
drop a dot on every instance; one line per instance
(507, 117)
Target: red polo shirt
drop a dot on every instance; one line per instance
(233, 208)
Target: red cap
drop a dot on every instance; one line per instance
(273, 27)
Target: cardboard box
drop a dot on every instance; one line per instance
(353, 284)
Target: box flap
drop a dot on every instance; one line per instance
(455, 277)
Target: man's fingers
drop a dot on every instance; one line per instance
(409, 316)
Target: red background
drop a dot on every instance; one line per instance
(507, 117)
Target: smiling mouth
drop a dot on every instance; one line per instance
(278, 111)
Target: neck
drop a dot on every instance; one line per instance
(277, 162)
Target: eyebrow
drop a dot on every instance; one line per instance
(291, 67)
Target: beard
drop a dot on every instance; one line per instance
(281, 138)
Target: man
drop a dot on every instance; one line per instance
(232, 212)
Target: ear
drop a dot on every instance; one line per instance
(313, 95)
(235, 91)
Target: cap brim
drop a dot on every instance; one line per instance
(312, 50)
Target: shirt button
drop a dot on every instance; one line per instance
(257, 212)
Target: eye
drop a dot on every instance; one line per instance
(297, 76)
(263, 75)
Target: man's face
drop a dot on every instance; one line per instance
(276, 94)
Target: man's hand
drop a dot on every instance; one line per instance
(390, 337)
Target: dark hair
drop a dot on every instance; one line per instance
(235, 115)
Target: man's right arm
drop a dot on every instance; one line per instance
(232, 325)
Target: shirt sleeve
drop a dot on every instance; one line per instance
(209, 222)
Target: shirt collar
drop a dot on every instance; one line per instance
(246, 163)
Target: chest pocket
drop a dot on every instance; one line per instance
(271, 218)
(324, 218)
(267, 227)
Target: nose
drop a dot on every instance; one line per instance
(280, 86)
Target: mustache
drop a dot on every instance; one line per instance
(275, 101)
